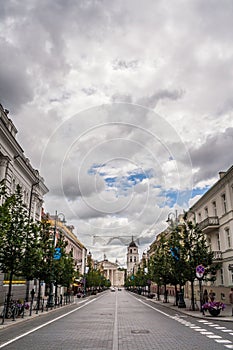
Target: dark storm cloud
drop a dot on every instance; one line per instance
(213, 156)
(15, 84)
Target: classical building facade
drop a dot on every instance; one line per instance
(213, 212)
(112, 272)
(16, 169)
(132, 257)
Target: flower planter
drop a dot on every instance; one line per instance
(214, 307)
(214, 312)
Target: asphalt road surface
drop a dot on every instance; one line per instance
(116, 321)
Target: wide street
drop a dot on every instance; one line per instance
(117, 320)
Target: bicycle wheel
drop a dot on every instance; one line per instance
(15, 311)
(8, 314)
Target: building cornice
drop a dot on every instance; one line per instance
(215, 189)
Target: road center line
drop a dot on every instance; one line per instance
(115, 330)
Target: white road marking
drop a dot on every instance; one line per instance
(220, 327)
(44, 324)
(214, 336)
(222, 341)
(115, 329)
(211, 335)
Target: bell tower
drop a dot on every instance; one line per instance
(132, 257)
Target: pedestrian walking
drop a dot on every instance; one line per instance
(231, 300)
(205, 297)
(211, 295)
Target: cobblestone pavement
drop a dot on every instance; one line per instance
(118, 321)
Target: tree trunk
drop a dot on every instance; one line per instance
(9, 292)
(192, 296)
(158, 292)
(176, 296)
(165, 293)
(38, 296)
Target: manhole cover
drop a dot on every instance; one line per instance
(140, 331)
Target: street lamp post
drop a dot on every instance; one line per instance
(29, 217)
(50, 302)
(181, 301)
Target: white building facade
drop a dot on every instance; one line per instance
(213, 212)
(112, 272)
(16, 169)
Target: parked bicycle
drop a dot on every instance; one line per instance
(15, 309)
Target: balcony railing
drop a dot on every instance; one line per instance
(217, 255)
(209, 223)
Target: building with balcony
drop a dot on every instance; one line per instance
(213, 212)
(16, 169)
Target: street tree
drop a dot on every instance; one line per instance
(190, 249)
(162, 263)
(17, 236)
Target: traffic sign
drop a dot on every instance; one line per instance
(200, 270)
(57, 254)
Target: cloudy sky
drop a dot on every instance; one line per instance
(125, 107)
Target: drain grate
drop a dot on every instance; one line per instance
(140, 331)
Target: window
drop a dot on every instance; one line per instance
(13, 186)
(231, 276)
(135, 259)
(199, 217)
(206, 212)
(130, 259)
(228, 237)
(218, 241)
(209, 242)
(221, 276)
(214, 208)
(130, 251)
(224, 203)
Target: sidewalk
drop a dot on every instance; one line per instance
(10, 322)
(225, 315)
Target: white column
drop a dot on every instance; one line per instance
(4, 160)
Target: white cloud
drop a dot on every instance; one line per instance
(83, 81)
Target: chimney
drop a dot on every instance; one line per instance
(221, 174)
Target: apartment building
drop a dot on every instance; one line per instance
(213, 212)
(60, 228)
(16, 169)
